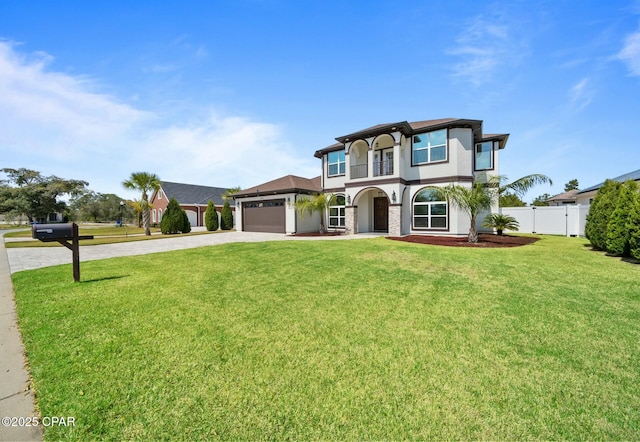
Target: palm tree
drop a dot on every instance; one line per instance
(471, 200)
(139, 206)
(319, 203)
(500, 222)
(522, 185)
(144, 182)
(481, 195)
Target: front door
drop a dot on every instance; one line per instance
(381, 214)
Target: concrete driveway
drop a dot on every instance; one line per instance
(27, 258)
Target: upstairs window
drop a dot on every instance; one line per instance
(430, 147)
(336, 163)
(484, 155)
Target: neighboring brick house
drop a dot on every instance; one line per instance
(192, 198)
(385, 173)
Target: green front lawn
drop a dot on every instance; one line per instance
(366, 339)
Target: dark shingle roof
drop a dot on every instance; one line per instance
(407, 129)
(193, 194)
(635, 175)
(285, 184)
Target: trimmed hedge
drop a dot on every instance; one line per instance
(211, 217)
(175, 219)
(226, 217)
(618, 231)
(600, 212)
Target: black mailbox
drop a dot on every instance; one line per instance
(52, 232)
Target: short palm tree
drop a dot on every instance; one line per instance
(471, 200)
(500, 222)
(318, 203)
(144, 182)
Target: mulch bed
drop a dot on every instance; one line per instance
(318, 234)
(484, 240)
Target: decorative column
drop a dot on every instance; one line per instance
(350, 220)
(395, 220)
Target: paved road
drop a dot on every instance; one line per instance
(27, 258)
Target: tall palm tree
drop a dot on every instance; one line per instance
(471, 200)
(319, 203)
(144, 182)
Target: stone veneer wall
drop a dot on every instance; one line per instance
(395, 220)
(350, 220)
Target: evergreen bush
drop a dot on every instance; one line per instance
(226, 217)
(173, 220)
(600, 212)
(617, 229)
(211, 217)
(186, 225)
(633, 226)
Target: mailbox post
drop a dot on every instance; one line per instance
(62, 233)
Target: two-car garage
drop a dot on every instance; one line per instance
(270, 207)
(264, 216)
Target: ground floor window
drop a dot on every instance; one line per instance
(429, 212)
(336, 213)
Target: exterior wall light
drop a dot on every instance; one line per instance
(393, 197)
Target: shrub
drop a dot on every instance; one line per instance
(226, 217)
(500, 222)
(633, 226)
(211, 217)
(173, 218)
(600, 212)
(186, 225)
(617, 229)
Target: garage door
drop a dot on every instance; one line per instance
(264, 216)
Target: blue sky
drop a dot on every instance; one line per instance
(235, 93)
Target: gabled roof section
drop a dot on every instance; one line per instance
(416, 127)
(193, 194)
(635, 176)
(285, 184)
(566, 196)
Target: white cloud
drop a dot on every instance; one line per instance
(630, 53)
(62, 124)
(580, 94)
(485, 46)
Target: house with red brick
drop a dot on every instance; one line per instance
(192, 198)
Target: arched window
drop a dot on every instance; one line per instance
(429, 211)
(153, 216)
(336, 213)
(159, 215)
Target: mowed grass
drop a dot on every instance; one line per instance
(348, 340)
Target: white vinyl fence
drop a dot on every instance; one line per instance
(566, 220)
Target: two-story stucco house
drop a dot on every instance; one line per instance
(384, 174)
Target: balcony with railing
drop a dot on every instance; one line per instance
(359, 171)
(381, 168)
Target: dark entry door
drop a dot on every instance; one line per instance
(381, 214)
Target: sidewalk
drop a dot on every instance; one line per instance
(16, 399)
